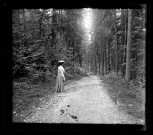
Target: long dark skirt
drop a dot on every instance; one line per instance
(59, 83)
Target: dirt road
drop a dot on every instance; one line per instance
(84, 101)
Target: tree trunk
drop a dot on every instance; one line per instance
(99, 64)
(127, 76)
(144, 57)
(109, 58)
(107, 62)
(116, 45)
(123, 40)
(88, 61)
(125, 43)
(74, 55)
(53, 29)
(40, 25)
(95, 65)
(80, 61)
(24, 20)
(104, 59)
(102, 62)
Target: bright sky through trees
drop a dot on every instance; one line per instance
(87, 23)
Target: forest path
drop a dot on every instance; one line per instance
(84, 101)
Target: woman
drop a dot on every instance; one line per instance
(60, 77)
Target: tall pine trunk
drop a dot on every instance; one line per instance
(102, 59)
(116, 47)
(127, 76)
(95, 65)
(109, 62)
(106, 59)
(125, 42)
(110, 59)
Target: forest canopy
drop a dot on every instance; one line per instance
(109, 43)
(41, 37)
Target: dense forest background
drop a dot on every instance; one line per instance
(41, 37)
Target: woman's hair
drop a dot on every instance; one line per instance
(60, 63)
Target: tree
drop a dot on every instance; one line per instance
(42, 37)
(127, 76)
(138, 45)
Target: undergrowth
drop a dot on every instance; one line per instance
(129, 96)
(30, 93)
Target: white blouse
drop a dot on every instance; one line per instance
(61, 70)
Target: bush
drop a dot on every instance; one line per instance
(111, 75)
(73, 72)
(26, 95)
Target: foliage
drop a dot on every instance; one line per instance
(110, 43)
(41, 37)
(138, 44)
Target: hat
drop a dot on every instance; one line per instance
(61, 61)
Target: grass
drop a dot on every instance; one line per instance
(28, 95)
(128, 97)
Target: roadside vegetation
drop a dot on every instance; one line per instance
(130, 97)
(28, 93)
(40, 38)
